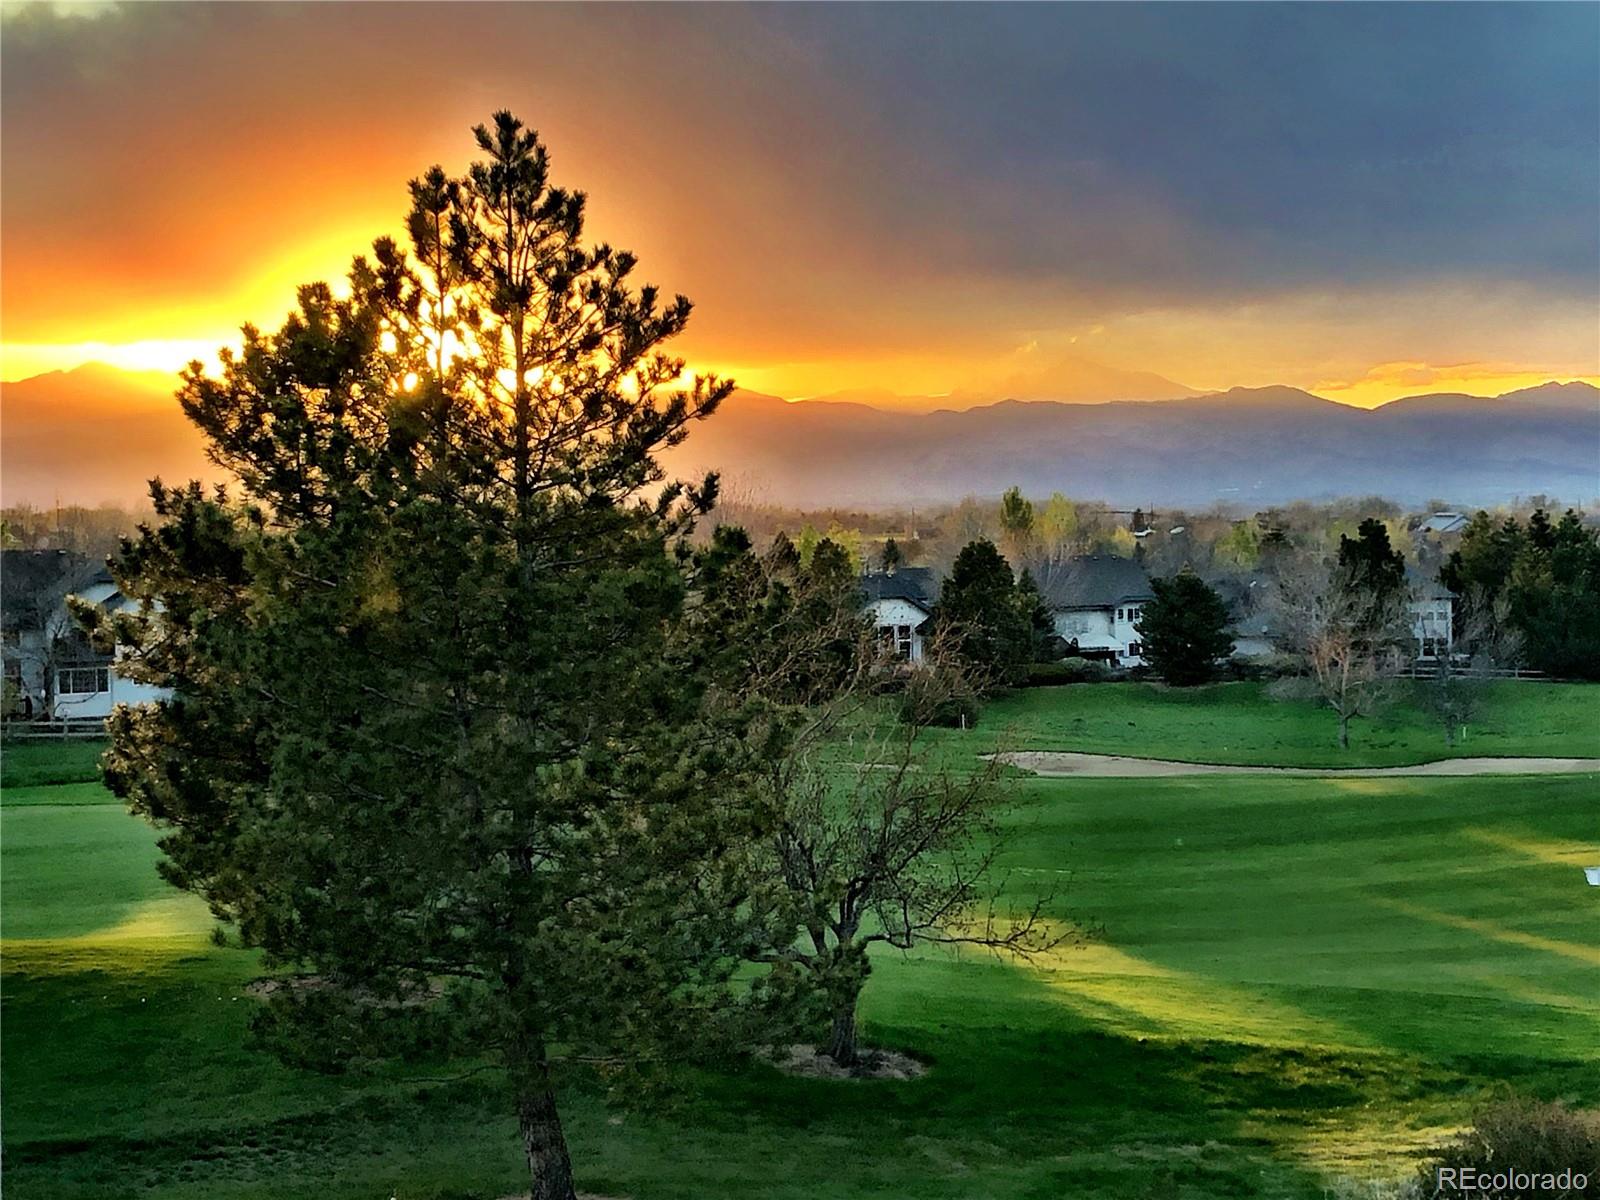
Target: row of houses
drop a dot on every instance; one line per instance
(1096, 601)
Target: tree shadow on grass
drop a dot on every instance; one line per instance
(1030, 1098)
(1037, 1091)
(1027, 1100)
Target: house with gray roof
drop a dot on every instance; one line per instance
(1096, 600)
(899, 603)
(1442, 523)
(51, 669)
(1254, 625)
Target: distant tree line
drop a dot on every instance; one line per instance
(92, 531)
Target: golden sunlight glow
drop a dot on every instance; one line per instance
(890, 383)
(1391, 381)
(1495, 931)
(1139, 996)
(22, 360)
(1571, 855)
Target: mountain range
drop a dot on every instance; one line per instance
(1248, 445)
(96, 434)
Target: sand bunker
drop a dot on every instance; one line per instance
(1111, 766)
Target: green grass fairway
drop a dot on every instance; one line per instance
(1295, 980)
(1239, 723)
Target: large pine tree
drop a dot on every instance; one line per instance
(430, 745)
(1184, 630)
(1373, 574)
(991, 623)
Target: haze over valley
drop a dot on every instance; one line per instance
(98, 434)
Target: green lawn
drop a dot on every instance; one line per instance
(1294, 980)
(31, 763)
(1239, 723)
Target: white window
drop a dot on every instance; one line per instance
(1134, 649)
(83, 681)
(896, 639)
(902, 641)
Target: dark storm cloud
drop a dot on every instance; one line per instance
(1293, 143)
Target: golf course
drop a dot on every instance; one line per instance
(1276, 986)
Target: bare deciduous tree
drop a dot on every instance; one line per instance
(878, 843)
(1351, 640)
(42, 636)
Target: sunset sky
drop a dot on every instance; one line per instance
(1367, 201)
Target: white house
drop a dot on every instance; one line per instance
(899, 603)
(1432, 618)
(88, 684)
(51, 670)
(1096, 601)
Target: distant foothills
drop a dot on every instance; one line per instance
(96, 434)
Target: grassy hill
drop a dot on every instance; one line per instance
(1293, 980)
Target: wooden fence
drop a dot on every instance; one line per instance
(1426, 670)
(57, 729)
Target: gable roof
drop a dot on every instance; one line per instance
(915, 584)
(1098, 581)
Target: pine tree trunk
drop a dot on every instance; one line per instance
(842, 1041)
(549, 1167)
